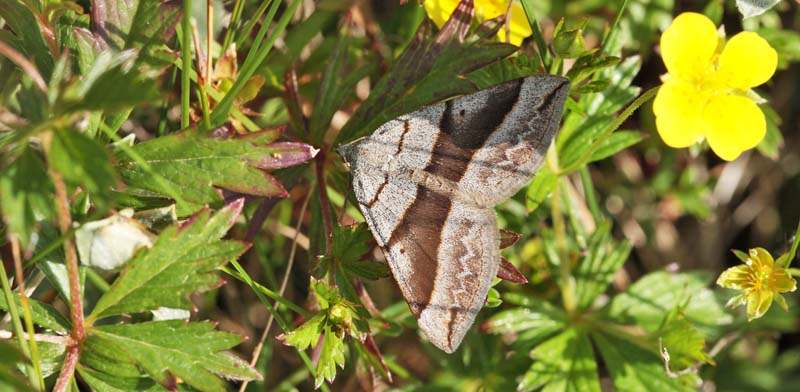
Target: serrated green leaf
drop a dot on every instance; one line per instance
(515, 67)
(646, 302)
(83, 162)
(632, 368)
(26, 192)
(183, 260)
(331, 356)
(195, 164)
(43, 314)
(564, 363)
(191, 351)
(428, 71)
(601, 259)
(615, 143)
(306, 334)
(785, 41)
(682, 341)
(540, 188)
(350, 244)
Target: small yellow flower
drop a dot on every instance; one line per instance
(439, 11)
(761, 281)
(706, 91)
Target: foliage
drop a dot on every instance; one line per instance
(212, 135)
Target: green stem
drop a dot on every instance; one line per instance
(648, 95)
(205, 108)
(613, 29)
(242, 275)
(259, 290)
(793, 251)
(253, 60)
(560, 229)
(589, 193)
(251, 23)
(12, 309)
(236, 14)
(186, 60)
(538, 36)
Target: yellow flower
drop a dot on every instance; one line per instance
(439, 11)
(706, 91)
(761, 281)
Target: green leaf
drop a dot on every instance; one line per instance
(83, 162)
(306, 334)
(773, 140)
(109, 84)
(633, 368)
(10, 377)
(601, 259)
(43, 314)
(568, 43)
(682, 341)
(195, 164)
(531, 324)
(540, 188)
(646, 302)
(515, 67)
(183, 260)
(29, 38)
(428, 71)
(331, 355)
(350, 244)
(564, 363)
(337, 85)
(26, 192)
(615, 143)
(133, 23)
(168, 349)
(371, 270)
(785, 42)
(102, 382)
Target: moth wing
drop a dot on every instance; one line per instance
(445, 266)
(516, 147)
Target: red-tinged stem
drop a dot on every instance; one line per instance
(76, 306)
(62, 384)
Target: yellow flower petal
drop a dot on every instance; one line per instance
(678, 109)
(490, 9)
(761, 258)
(782, 281)
(737, 277)
(758, 303)
(733, 124)
(688, 45)
(747, 61)
(518, 26)
(440, 10)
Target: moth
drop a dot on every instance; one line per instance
(427, 183)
